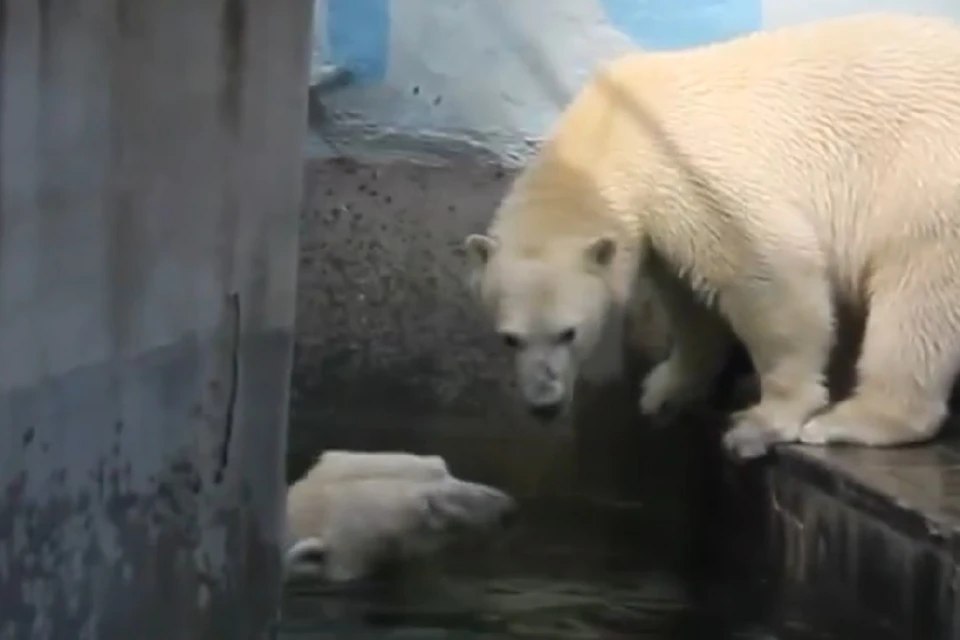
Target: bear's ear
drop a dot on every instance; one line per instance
(600, 252)
(479, 249)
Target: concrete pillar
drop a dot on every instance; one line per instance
(150, 181)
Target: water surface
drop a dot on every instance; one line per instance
(581, 581)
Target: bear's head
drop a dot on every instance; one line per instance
(370, 527)
(551, 304)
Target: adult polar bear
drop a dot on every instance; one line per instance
(754, 182)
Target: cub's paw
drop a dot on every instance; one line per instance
(753, 435)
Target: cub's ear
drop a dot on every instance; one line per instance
(600, 252)
(479, 249)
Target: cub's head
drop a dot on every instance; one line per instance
(549, 303)
(382, 526)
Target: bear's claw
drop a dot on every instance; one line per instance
(748, 441)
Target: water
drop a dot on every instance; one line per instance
(581, 581)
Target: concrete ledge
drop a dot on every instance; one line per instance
(864, 540)
(874, 532)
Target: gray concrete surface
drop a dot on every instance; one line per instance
(392, 353)
(150, 179)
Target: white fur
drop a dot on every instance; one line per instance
(350, 465)
(365, 510)
(754, 182)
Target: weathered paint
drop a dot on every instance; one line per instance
(150, 178)
(492, 75)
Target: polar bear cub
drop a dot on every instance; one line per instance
(337, 465)
(755, 183)
(354, 513)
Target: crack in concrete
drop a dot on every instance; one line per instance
(234, 305)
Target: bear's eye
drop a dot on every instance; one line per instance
(567, 336)
(510, 339)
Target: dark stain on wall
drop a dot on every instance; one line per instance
(233, 53)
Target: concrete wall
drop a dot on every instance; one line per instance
(493, 74)
(150, 178)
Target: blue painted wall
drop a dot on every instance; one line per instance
(671, 24)
(358, 37)
(492, 72)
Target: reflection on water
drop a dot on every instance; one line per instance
(543, 584)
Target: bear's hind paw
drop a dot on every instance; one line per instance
(842, 425)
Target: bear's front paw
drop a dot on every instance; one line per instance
(665, 390)
(753, 434)
(657, 389)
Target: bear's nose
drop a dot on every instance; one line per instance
(546, 411)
